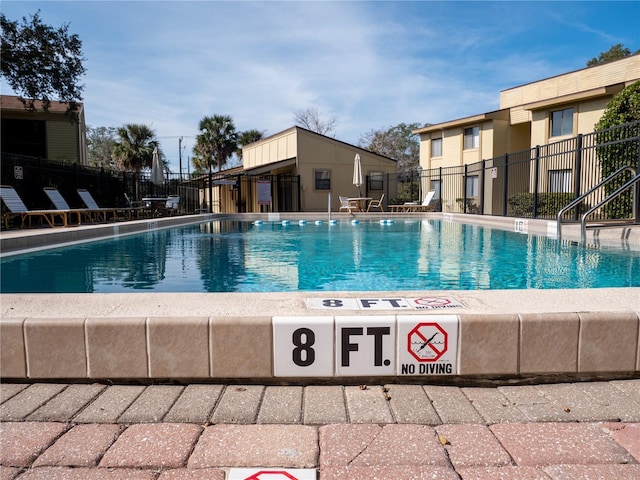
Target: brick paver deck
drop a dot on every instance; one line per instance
(401, 432)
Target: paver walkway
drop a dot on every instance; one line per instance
(402, 432)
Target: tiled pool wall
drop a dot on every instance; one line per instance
(209, 348)
(207, 337)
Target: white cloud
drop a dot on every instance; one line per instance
(370, 64)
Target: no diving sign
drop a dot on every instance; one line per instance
(365, 345)
(427, 344)
(271, 474)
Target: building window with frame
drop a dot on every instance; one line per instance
(436, 147)
(322, 179)
(376, 180)
(560, 181)
(562, 122)
(471, 138)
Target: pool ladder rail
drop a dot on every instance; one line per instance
(625, 223)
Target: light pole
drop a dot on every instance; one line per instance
(419, 183)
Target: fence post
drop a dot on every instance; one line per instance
(441, 187)
(536, 175)
(464, 189)
(482, 179)
(505, 193)
(635, 208)
(210, 188)
(577, 184)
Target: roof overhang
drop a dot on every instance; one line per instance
(262, 169)
(607, 91)
(461, 122)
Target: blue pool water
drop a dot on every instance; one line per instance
(232, 256)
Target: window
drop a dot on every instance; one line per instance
(471, 137)
(436, 147)
(560, 181)
(323, 179)
(562, 122)
(472, 186)
(376, 181)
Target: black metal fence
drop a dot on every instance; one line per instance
(110, 188)
(533, 183)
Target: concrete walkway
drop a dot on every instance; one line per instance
(394, 432)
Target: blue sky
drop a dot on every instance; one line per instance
(371, 65)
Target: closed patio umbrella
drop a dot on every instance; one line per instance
(357, 172)
(157, 175)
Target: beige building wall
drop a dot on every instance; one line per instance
(524, 121)
(66, 141)
(301, 152)
(276, 148)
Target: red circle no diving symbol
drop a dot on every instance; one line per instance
(271, 475)
(432, 301)
(427, 342)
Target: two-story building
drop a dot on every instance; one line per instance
(48, 135)
(536, 113)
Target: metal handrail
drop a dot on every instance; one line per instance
(589, 192)
(618, 191)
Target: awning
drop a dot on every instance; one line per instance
(262, 169)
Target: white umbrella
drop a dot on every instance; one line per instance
(357, 172)
(157, 175)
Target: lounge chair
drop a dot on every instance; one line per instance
(60, 203)
(414, 206)
(17, 209)
(376, 204)
(346, 204)
(88, 200)
(172, 204)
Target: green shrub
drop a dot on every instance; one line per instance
(613, 153)
(549, 204)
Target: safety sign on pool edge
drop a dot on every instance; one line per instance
(271, 474)
(427, 344)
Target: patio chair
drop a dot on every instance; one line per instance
(376, 204)
(170, 207)
(414, 206)
(88, 200)
(346, 204)
(60, 203)
(17, 209)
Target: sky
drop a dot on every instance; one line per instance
(370, 65)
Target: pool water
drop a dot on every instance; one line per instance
(234, 256)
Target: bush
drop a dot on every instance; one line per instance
(612, 151)
(549, 204)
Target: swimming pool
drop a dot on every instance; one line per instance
(237, 256)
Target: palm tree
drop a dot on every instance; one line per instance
(216, 142)
(134, 149)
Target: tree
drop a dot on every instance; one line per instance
(245, 138)
(616, 52)
(613, 127)
(134, 148)
(215, 144)
(310, 119)
(43, 63)
(100, 144)
(396, 142)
